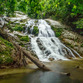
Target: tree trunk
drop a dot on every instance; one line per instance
(24, 51)
(33, 59)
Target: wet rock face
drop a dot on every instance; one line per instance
(69, 35)
(19, 19)
(47, 52)
(54, 23)
(53, 41)
(40, 44)
(42, 48)
(73, 40)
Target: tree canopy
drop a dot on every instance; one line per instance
(68, 11)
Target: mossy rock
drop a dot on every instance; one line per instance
(1, 60)
(36, 21)
(5, 51)
(18, 28)
(81, 45)
(29, 31)
(24, 38)
(35, 30)
(58, 31)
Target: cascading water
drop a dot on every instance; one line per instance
(46, 45)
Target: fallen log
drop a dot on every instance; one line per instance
(24, 51)
(33, 59)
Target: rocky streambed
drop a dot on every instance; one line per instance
(67, 36)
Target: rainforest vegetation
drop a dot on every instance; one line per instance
(69, 12)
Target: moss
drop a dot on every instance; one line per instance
(1, 60)
(29, 31)
(5, 42)
(36, 21)
(20, 43)
(5, 59)
(58, 31)
(22, 24)
(5, 51)
(69, 45)
(24, 38)
(82, 45)
(8, 60)
(35, 30)
(18, 28)
(19, 36)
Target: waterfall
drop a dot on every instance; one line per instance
(46, 45)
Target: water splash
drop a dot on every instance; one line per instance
(46, 45)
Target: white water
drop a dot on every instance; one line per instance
(46, 45)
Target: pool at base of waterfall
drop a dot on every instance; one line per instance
(76, 74)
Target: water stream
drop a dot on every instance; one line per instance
(46, 45)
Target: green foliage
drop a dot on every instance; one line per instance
(24, 38)
(18, 28)
(79, 23)
(8, 60)
(5, 42)
(5, 51)
(35, 30)
(22, 5)
(82, 45)
(29, 31)
(58, 31)
(1, 60)
(34, 8)
(7, 7)
(67, 11)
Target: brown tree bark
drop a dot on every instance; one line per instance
(33, 59)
